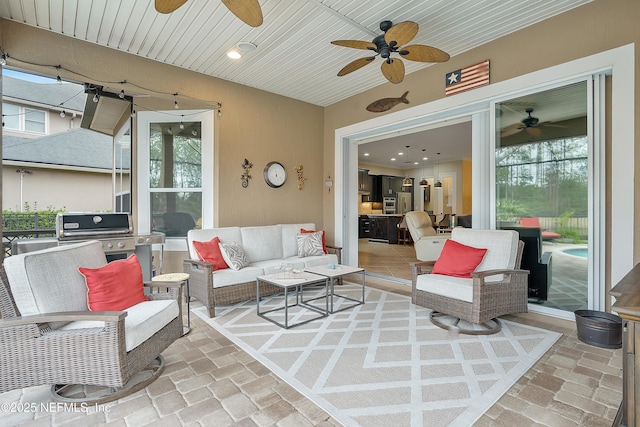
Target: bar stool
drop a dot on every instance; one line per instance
(403, 235)
(177, 278)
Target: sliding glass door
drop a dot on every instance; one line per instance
(543, 165)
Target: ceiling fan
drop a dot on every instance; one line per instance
(529, 124)
(393, 41)
(248, 11)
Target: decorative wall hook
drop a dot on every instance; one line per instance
(246, 165)
(301, 178)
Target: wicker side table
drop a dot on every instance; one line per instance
(178, 277)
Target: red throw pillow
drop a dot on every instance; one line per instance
(210, 252)
(324, 241)
(116, 286)
(458, 260)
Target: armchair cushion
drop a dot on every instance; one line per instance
(502, 245)
(115, 286)
(458, 260)
(66, 289)
(142, 321)
(458, 288)
(210, 252)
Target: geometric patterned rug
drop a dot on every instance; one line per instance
(384, 363)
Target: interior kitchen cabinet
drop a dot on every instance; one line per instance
(364, 182)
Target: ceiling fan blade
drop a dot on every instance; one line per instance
(248, 11)
(355, 65)
(356, 44)
(393, 70)
(422, 53)
(168, 6)
(401, 33)
(533, 131)
(511, 130)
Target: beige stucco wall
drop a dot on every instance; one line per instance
(595, 27)
(83, 191)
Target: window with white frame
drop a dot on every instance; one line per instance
(24, 119)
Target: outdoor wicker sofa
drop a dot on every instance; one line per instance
(266, 247)
(497, 286)
(48, 335)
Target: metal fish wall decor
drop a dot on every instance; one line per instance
(385, 104)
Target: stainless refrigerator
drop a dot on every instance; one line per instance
(404, 203)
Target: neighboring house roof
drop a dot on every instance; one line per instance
(74, 148)
(67, 95)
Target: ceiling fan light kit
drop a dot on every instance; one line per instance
(393, 41)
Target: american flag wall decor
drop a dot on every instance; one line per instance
(467, 78)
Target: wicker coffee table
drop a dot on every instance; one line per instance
(293, 282)
(333, 272)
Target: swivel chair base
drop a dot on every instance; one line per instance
(457, 325)
(95, 395)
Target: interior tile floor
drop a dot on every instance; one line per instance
(208, 381)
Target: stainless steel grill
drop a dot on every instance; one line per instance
(114, 231)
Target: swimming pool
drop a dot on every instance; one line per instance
(579, 252)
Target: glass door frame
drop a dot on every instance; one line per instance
(144, 120)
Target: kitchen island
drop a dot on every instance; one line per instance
(382, 228)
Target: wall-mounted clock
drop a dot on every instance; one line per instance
(274, 174)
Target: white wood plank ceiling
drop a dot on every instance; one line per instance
(294, 56)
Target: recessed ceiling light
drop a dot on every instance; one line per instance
(393, 159)
(240, 48)
(246, 46)
(425, 158)
(400, 153)
(366, 154)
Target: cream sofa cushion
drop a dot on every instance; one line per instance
(262, 243)
(225, 234)
(289, 233)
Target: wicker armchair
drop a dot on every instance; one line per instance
(472, 306)
(80, 349)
